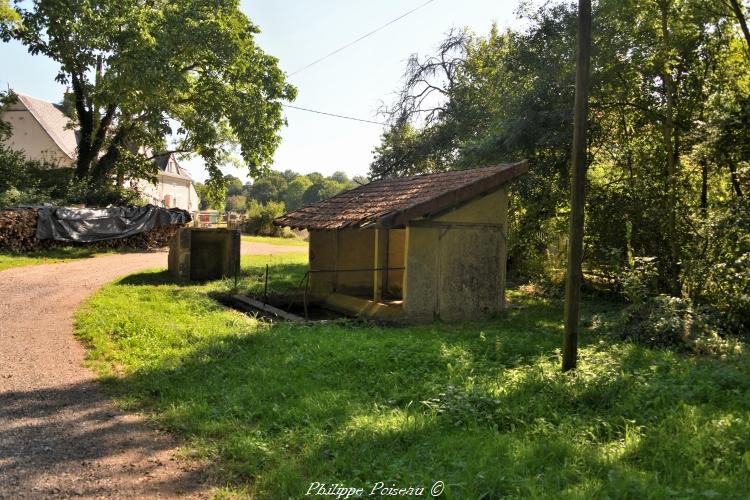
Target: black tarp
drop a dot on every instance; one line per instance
(87, 225)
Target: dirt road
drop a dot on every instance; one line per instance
(60, 435)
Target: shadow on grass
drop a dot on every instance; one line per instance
(293, 405)
(479, 405)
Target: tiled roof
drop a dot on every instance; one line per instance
(394, 202)
(53, 121)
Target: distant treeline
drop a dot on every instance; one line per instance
(275, 193)
(289, 188)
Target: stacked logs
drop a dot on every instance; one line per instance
(18, 230)
(18, 234)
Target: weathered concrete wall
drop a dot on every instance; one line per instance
(456, 262)
(204, 254)
(339, 251)
(323, 249)
(396, 258)
(356, 251)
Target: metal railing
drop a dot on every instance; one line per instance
(304, 284)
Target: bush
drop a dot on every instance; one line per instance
(672, 322)
(640, 280)
(260, 218)
(718, 270)
(24, 182)
(100, 194)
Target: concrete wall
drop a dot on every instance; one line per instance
(456, 262)
(354, 249)
(204, 254)
(29, 136)
(342, 250)
(396, 258)
(323, 249)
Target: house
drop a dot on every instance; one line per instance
(416, 248)
(174, 187)
(44, 133)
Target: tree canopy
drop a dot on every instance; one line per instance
(148, 77)
(667, 149)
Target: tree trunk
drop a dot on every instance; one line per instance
(735, 180)
(737, 9)
(670, 139)
(577, 188)
(704, 187)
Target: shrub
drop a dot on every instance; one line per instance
(260, 218)
(717, 271)
(640, 280)
(672, 322)
(100, 194)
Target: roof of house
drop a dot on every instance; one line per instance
(396, 201)
(162, 161)
(53, 121)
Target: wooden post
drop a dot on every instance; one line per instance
(577, 189)
(380, 264)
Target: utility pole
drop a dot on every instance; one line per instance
(577, 188)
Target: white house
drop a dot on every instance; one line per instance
(43, 132)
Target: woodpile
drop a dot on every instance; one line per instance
(18, 230)
(18, 234)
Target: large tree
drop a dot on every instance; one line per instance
(143, 71)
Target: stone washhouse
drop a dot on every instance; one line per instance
(412, 248)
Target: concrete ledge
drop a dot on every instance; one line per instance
(357, 306)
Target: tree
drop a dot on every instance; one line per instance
(144, 71)
(234, 185)
(340, 177)
(294, 192)
(577, 188)
(236, 203)
(321, 190)
(267, 188)
(205, 202)
(7, 14)
(739, 14)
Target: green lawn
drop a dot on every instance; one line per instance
(294, 242)
(51, 256)
(481, 406)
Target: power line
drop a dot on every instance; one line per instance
(333, 114)
(361, 38)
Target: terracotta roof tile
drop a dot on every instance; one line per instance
(394, 202)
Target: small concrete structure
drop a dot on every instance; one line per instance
(416, 248)
(197, 254)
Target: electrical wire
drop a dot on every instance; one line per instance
(361, 38)
(333, 114)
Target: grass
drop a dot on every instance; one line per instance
(481, 406)
(292, 242)
(51, 256)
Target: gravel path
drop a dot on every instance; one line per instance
(60, 435)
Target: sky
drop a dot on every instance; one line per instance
(354, 82)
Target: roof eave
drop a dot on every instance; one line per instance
(402, 217)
